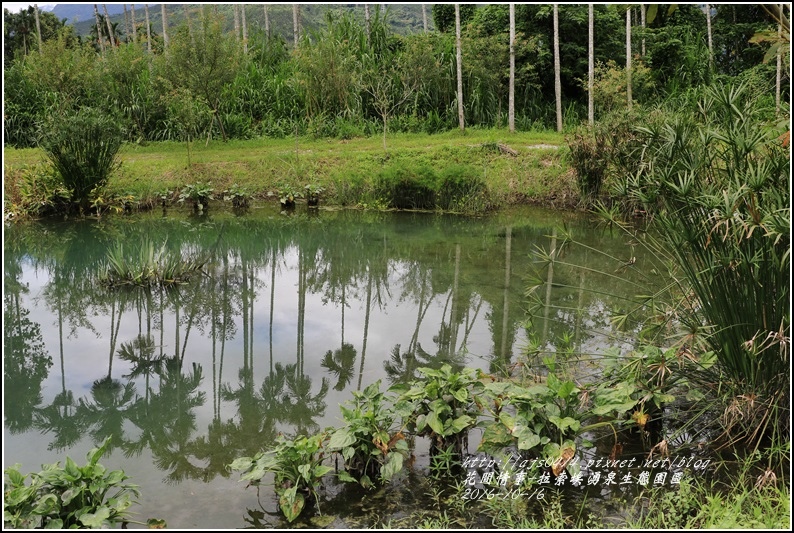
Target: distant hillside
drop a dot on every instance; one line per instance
(403, 18)
(74, 13)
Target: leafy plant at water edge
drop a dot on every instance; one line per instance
(83, 146)
(198, 194)
(240, 197)
(441, 406)
(68, 497)
(147, 265)
(297, 468)
(287, 194)
(368, 442)
(313, 192)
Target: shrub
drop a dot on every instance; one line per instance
(83, 147)
(68, 497)
(406, 188)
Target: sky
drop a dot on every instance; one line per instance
(16, 7)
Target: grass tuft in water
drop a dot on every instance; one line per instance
(147, 265)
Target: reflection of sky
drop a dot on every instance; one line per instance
(222, 502)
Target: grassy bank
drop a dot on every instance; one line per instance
(517, 168)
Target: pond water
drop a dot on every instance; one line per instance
(323, 302)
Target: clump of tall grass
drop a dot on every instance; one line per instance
(83, 147)
(148, 265)
(718, 186)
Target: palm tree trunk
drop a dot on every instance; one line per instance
(38, 28)
(708, 32)
(511, 106)
(642, 23)
(99, 30)
(557, 83)
(267, 23)
(165, 27)
(590, 64)
(779, 74)
(111, 36)
(132, 20)
(295, 24)
(236, 11)
(148, 30)
(366, 22)
(628, 58)
(126, 24)
(424, 17)
(459, 62)
(245, 28)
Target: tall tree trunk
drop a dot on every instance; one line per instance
(424, 17)
(295, 24)
(642, 23)
(111, 37)
(245, 28)
(366, 22)
(459, 61)
(557, 83)
(132, 20)
(708, 33)
(148, 30)
(590, 64)
(505, 314)
(267, 23)
(99, 30)
(38, 29)
(126, 24)
(236, 11)
(628, 57)
(511, 105)
(779, 74)
(165, 27)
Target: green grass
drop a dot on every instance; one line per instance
(536, 174)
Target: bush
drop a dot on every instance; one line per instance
(406, 188)
(83, 147)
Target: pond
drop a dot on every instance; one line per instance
(328, 302)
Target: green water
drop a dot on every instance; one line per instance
(324, 302)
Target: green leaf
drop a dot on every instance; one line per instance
(321, 470)
(15, 477)
(392, 466)
(291, 503)
(344, 476)
(341, 439)
(366, 482)
(461, 423)
(156, 523)
(526, 438)
(566, 389)
(461, 395)
(435, 424)
(55, 523)
(72, 470)
(96, 520)
(565, 423)
(306, 471)
(68, 495)
(46, 505)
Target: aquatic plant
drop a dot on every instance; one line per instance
(368, 442)
(147, 265)
(70, 496)
(198, 194)
(297, 468)
(240, 197)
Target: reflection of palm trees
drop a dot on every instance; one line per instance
(300, 407)
(167, 421)
(341, 363)
(106, 413)
(62, 418)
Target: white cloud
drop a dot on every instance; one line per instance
(16, 7)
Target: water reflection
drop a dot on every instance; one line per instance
(291, 315)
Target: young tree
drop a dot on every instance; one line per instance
(459, 62)
(557, 83)
(205, 65)
(511, 106)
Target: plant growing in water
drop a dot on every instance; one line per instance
(70, 496)
(198, 194)
(287, 195)
(297, 468)
(368, 443)
(313, 192)
(147, 265)
(240, 197)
